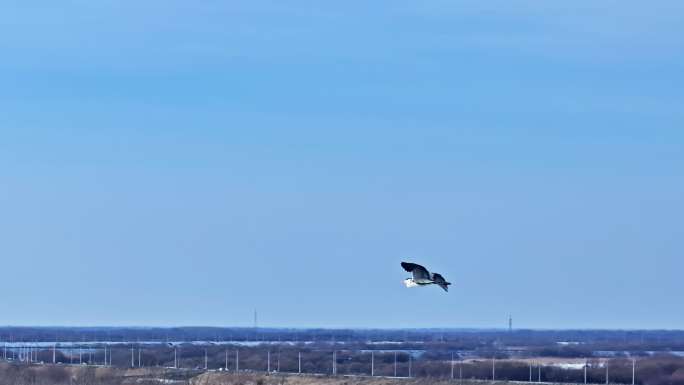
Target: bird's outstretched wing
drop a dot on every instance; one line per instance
(419, 272)
(439, 280)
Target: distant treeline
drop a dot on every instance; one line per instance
(466, 337)
(501, 343)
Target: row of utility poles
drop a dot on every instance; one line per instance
(585, 367)
(452, 362)
(30, 354)
(176, 361)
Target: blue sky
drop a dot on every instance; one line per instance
(182, 163)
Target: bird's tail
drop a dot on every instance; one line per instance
(445, 285)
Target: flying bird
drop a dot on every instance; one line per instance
(422, 277)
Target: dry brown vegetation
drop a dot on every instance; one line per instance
(12, 374)
(215, 378)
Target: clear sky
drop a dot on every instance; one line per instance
(185, 162)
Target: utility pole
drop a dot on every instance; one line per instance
(606, 372)
(633, 370)
(395, 363)
(256, 326)
(139, 357)
(237, 361)
(206, 360)
(226, 359)
(539, 373)
(372, 363)
(300, 363)
(530, 372)
(493, 368)
(410, 360)
(452, 366)
(268, 359)
(175, 358)
(334, 363)
(585, 371)
(105, 355)
(132, 357)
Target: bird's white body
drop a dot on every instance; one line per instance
(410, 282)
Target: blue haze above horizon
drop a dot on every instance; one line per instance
(184, 163)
